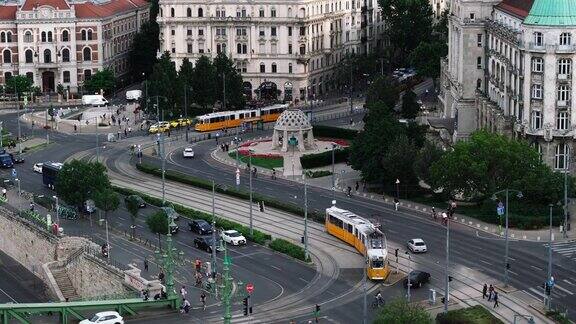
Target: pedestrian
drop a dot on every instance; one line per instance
(185, 306)
(496, 299)
(357, 185)
(161, 277)
(396, 203)
(31, 206)
(145, 264)
(125, 132)
(4, 193)
(129, 129)
(75, 128)
(490, 292)
(484, 289)
(183, 292)
(203, 300)
(119, 134)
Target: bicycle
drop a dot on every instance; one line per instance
(377, 303)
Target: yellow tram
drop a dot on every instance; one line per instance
(229, 119)
(362, 235)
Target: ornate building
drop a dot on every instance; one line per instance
(65, 42)
(284, 49)
(509, 70)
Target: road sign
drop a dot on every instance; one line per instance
(500, 209)
(14, 173)
(249, 288)
(237, 177)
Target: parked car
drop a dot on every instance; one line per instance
(141, 203)
(184, 122)
(233, 237)
(6, 161)
(204, 243)
(417, 245)
(16, 158)
(200, 226)
(417, 279)
(38, 167)
(188, 153)
(170, 212)
(105, 318)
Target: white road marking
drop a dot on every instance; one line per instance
(563, 289)
(568, 282)
(534, 290)
(512, 272)
(485, 262)
(5, 293)
(535, 267)
(275, 267)
(306, 281)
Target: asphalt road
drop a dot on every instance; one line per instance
(17, 284)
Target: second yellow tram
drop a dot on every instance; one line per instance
(229, 119)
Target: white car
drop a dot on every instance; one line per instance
(188, 153)
(105, 318)
(38, 167)
(233, 237)
(417, 245)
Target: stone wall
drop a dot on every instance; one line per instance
(92, 277)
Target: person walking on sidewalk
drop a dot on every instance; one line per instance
(203, 300)
(496, 299)
(490, 292)
(183, 292)
(484, 289)
(357, 186)
(4, 193)
(145, 264)
(32, 206)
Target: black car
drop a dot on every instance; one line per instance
(203, 243)
(139, 200)
(200, 226)
(6, 161)
(417, 279)
(16, 158)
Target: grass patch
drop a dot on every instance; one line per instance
(266, 163)
(33, 148)
(558, 317)
(471, 315)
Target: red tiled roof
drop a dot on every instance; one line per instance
(92, 10)
(8, 12)
(31, 4)
(518, 8)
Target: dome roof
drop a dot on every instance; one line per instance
(293, 120)
(552, 13)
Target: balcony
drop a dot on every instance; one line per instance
(46, 65)
(565, 49)
(231, 18)
(241, 38)
(537, 47)
(564, 77)
(302, 58)
(220, 38)
(562, 103)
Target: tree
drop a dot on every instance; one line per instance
(399, 311)
(426, 58)
(78, 180)
(161, 83)
(204, 82)
(401, 153)
(18, 83)
(410, 105)
(102, 80)
(223, 65)
(145, 45)
(158, 224)
(428, 155)
(107, 200)
(383, 90)
(133, 207)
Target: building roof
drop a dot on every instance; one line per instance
(518, 8)
(31, 4)
(107, 9)
(552, 13)
(8, 12)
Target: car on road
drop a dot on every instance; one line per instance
(38, 167)
(17, 158)
(6, 161)
(417, 245)
(200, 226)
(105, 318)
(233, 237)
(170, 212)
(204, 243)
(417, 279)
(188, 153)
(174, 124)
(184, 122)
(139, 200)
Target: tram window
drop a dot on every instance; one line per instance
(350, 228)
(336, 221)
(232, 117)
(213, 120)
(377, 263)
(241, 116)
(253, 114)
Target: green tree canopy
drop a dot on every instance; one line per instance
(78, 181)
(383, 90)
(145, 45)
(204, 82)
(401, 153)
(161, 83)
(101, 80)
(185, 77)
(399, 311)
(132, 205)
(107, 200)
(410, 105)
(223, 65)
(158, 224)
(20, 83)
(428, 155)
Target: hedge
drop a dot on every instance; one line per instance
(310, 161)
(334, 132)
(242, 194)
(288, 248)
(317, 174)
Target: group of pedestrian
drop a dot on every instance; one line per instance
(225, 147)
(491, 293)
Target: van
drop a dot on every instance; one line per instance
(133, 95)
(94, 100)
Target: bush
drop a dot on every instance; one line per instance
(288, 248)
(334, 132)
(310, 161)
(471, 315)
(44, 201)
(317, 174)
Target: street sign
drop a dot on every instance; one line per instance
(500, 209)
(237, 177)
(14, 173)
(249, 288)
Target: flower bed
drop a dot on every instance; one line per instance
(339, 141)
(260, 155)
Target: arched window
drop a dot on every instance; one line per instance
(43, 37)
(189, 12)
(262, 68)
(49, 37)
(89, 34)
(65, 55)
(9, 37)
(200, 12)
(87, 54)
(3, 37)
(47, 56)
(561, 156)
(29, 56)
(239, 48)
(274, 68)
(172, 12)
(289, 67)
(83, 35)
(28, 37)
(7, 55)
(65, 36)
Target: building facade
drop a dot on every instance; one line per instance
(509, 70)
(283, 48)
(65, 42)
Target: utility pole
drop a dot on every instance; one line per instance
(250, 175)
(565, 228)
(447, 269)
(18, 118)
(213, 230)
(169, 259)
(305, 219)
(46, 126)
(1, 135)
(409, 272)
(382, 66)
(350, 92)
(549, 281)
(97, 144)
(333, 173)
(365, 287)
(506, 240)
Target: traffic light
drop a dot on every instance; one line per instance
(442, 300)
(548, 288)
(450, 278)
(317, 309)
(302, 239)
(508, 265)
(245, 303)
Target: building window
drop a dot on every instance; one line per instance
(173, 32)
(261, 12)
(243, 12)
(49, 37)
(262, 68)
(66, 76)
(274, 68)
(563, 93)
(87, 54)
(9, 37)
(537, 64)
(538, 39)
(87, 75)
(302, 49)
(302, 31)
(200, 12)
(479, 40)
(565, 66)
(479, 62)
(261, 32)
(43, 37)
(289, 31)
(189, 12)
(562, 120)
(565, 39)
(289, 48)
(65, 36)
(89, 34)
(2, 37)
(28, 55)
(47, 56)
(172, 12)
(82, 35)
(561, 156)
(200, 32)
(536, 121)
(189, 32)
(7, 56)
(536, 91)
(189, 48)
(28, 37)
(290, 68)
(273, 12)
(30, 76)
(273, 31)
(65, 55)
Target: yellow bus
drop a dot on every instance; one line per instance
(235, 118)
(364, 236)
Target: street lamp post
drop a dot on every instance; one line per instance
(18, 119)
(365, 286)
(1, 135)
(250, 177)
(506, 264)
(97, 144)
(398, 189)
(223, 92)
(57, 212)
(447, 267)
(333, 173)
(169, 259)
(161, 146)
(305, 218)
(213, 230)
(409, 272)
(565, 228)
(549, 281)
(19, 191)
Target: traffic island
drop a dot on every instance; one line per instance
(472, 315)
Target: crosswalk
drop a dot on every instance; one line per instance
(562, 289)
(566, 249)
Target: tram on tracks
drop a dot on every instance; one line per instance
(364, 236)
(235, 118)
